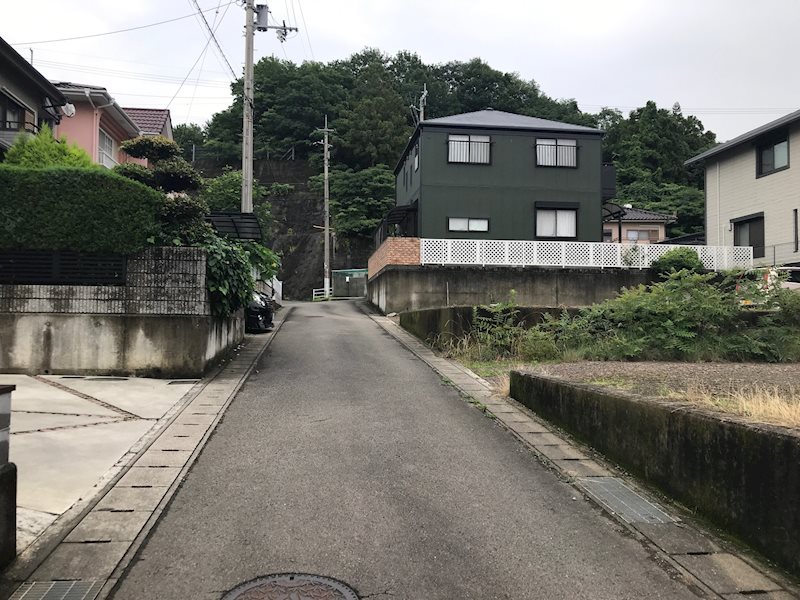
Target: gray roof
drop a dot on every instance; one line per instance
(498, 119)
(746, 137)
(640, 214)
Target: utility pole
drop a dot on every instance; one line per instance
(247, 105)
(327, 264)
(256, 17)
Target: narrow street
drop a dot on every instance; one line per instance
(346, 456)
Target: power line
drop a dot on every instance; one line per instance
(133, 75)
(83, 37)
(305, 28)
(214, 37)
(203, 62)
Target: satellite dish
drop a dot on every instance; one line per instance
(68, 109)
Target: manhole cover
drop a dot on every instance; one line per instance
(292, 586)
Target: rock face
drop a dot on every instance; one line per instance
(300, 244)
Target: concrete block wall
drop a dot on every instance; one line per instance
(394, 251)
(159, 281)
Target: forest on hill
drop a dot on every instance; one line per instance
(368, 99)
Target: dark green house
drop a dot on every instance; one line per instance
(496, 175)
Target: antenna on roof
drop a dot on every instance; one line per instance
(419, 112)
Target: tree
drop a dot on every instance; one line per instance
(359, 199)
(188, 136)
(43, 150)
(167, 171)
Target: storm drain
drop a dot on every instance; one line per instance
(622, 500)
(292, 586)
(58, 590)
(183, 382)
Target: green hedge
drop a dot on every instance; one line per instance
(86, 210)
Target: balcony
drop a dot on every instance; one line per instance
(10, 130)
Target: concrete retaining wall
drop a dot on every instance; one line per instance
(744, 477)
(398, 288)
(8, 483)
(102, 344)
(456, 321)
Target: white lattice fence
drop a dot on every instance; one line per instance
(571, 254)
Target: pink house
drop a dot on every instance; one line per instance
(99, 125)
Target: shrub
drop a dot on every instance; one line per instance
(175, 175)
(43, 150)
(183, 220)
(86, 210)
(136, 172)
(678, 259)
(229, 276)
(153, 148)
(225, 193)
(537, 344)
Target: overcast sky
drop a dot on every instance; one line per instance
(732, 63)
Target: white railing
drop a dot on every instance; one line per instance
(518, 253)
(318, 294)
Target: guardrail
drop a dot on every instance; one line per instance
(318, 294)
(520, 253)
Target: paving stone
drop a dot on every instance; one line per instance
(726, 574)
(501, 408)
(543, 439)
(104, 525)
(81, 561)
(673, 538)
(561, 452)
(782, 595)
(580, 468)
(170, 442)
(513, 417)
(528, 426)
(152, 476)
(163, 458)
(130, 498)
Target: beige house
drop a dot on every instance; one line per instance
(637, 225)
(753, 193)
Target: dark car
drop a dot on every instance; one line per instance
(258, 314)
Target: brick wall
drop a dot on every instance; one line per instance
(394, 251)
(159, 281)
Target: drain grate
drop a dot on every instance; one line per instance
(292, 586)
(622, 500)
(58, 590)
(183, 382)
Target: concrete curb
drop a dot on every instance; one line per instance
(28, 567)
(698, 561)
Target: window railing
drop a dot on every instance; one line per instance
(521, 253)
(552, 153)
(469, 151)
(19, 126)
(107, 160)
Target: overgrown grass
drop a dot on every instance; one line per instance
(686, 317)
(760, 403)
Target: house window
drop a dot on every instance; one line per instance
(556, 223)
(608, 235)
(10, 114)
(465, 224)
(106, 150)
(642, 235)
(474, 149)
(773, 157)
(556, 153)
(749, 231)
(416, 157)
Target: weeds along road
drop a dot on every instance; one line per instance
(346, 456)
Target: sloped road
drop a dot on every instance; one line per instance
(346, 456)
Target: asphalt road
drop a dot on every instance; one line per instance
(346, 456)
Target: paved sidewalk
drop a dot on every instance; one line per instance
(119, 446)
